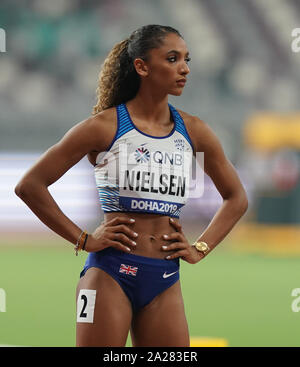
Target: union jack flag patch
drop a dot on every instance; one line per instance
(127, 269)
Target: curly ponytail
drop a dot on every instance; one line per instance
(114, 75)
(118, 80)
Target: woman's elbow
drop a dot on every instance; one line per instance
(239, 201)
(243, 202)
(19, 189)
(22, 188)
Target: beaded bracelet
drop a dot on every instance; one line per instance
(80, 244)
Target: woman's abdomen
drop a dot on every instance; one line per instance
(150, 229)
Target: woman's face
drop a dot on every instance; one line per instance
(167, 66)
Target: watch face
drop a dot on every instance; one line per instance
(201, 246)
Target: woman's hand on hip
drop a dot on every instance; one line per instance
(114, 233)
(181, 246)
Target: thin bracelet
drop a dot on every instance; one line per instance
(79, 244)
(85, 240)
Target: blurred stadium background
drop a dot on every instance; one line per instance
(244, 82)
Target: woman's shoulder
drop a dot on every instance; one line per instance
(104, 119)
(189, 119)
(193, 123)
(99, 129)
(201, 134)
(104, 122)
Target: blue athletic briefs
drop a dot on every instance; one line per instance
(141, 278)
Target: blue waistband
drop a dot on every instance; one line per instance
(138, 258)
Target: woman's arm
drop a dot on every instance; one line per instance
(94, 134)
(227, 182)
(33, 187)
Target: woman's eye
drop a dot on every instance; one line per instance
(172, 59)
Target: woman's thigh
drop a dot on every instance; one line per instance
(104, 312)
(162, 323)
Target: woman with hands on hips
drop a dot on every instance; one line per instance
(130, 280)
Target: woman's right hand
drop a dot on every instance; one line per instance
(114, 233)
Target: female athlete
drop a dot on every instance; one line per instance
(130, 281)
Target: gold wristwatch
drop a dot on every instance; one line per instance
(202, 247)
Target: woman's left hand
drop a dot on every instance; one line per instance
(182, 248)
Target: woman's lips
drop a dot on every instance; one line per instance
(181, 82)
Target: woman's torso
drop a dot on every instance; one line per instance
(150, 227)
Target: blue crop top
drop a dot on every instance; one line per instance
(144, 173)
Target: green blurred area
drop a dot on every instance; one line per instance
(243, 298)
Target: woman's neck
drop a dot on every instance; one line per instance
(150, 107)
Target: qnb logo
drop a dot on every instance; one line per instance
(171, 158)
(2, 300)
(296, 301)
(2, 40)
(295, 45)
(142, 155)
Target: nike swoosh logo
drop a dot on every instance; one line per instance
(168, 275)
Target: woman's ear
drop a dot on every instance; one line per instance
(141, 67)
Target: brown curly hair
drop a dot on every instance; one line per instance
(118, 80)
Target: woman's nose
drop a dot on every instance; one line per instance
(184, 69)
